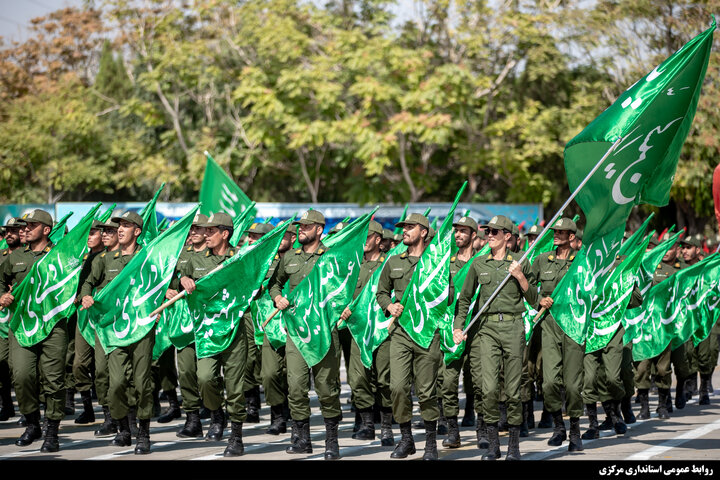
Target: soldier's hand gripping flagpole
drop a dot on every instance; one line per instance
(547, 227)
(179, 296)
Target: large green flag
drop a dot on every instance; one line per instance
(220, 300)
(319, 299)
(615, 295)
(709, 313)
(650, 262)
(368, 324)
(241, 223)
(652, 118)
(58, 230)
(47, 294)
(121, 312)
(219, 193)
(148, 213)
(693, 324)
(425, 300)
(261, 309)
(450, 350)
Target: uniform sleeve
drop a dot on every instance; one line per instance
(636, 299)
(278, 279)
(384, 289)
(6, 276)
(95, 278)
(531, 294)
(466, 296)
(533, 278)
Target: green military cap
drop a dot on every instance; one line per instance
(692, 240)
(96, 224)
(339, 226)
(414, 219)
(515, 230)
(129, 216)
(565, 224)
(109, 224)
(218, 219)
(261, 228)
(466, 222)
(500, 222)
(534, 230)
(200, 219)
(310, 217)
(375, 227)
(38, 216)
(15, 222)
(388, 234)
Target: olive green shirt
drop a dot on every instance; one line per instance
(395, 277)
(203, 263)
(292, 269)
(185, 256)
(86, 269)
(665, 270)
(547, 271)
(367, 268)
(488, 273)
(104, 268)
(17, 266)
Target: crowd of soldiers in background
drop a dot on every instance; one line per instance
(502, 377)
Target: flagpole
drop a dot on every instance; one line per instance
(179, 295)
(547, 227)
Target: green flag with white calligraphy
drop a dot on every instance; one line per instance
(425, 300)
(47, 294)
(219, 193)
(148, 213)
(58, 230)
(220, 300)
(319, 299)
(121, 312)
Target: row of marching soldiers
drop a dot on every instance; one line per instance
(502, 376)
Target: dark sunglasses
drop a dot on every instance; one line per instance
(493, 231)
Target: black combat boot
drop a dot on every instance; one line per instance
(513, 452)
(431, 452)
(193, 426)
(453, 436)
(88, 414)
(332, 449)
(680, 400)
(235, 447)
(559, 433)
(142, 446)
(252, 404)
(204, 413)
(468, 419)
(612, 409)
(132, 421)
(575, 444)
(123, 438)
(704, 389)
(387, 439)
(217, 425)
(406, 446)
(51, 443)
(108, 427)
(626, 409)
(173, 410)
(606, 424)
(481, 433)
(70, 401)
(691, 386)
(302, 442)
(662, 410)
(593, 430)
(643, 396)
(545, 419)
(367, 426)
(503, 423)
(33, 430)
(277, 421)
(493, 452)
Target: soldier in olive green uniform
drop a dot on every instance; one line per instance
(273, 365)
(293, 267)
(497, 340)
(409, 361)
(12, 238)
(366, 382)
(186, 357)
(253, 376)
(465, 233)
(82, 361)
(388, 239)
(219, 230)
(46, 357)
(562, 357)
(135, 358)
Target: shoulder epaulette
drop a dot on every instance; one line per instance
(5, 252)
(404, 255)
(321, 251)
(551, 257)
(27, 247)
(189, 249)
(572, 257)
(299, 250)
(382, 258)
(490, 257)
(103, 254)
(117, 254)
(452, 259)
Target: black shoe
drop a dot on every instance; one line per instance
(612, 408)
(575, 444)
(217, 425)
(367, 426)
(358, 421)
(453, 436)
(235, 447)
(142, 446)
(482, 434)
(204, 413)
(108, 427)
(193, 426)
(662, 410)
(88, 414)
(593, 430)
(704, 390)
(493, 452)
(51, 443)
(278, 424)
(332, 449)
(123, 438)
(431, 452)
(33, 430)
(513, 452)
(406, 446)
(302, 443)
(559, 433)
(387, 439)
(252, 403)
(69, 402)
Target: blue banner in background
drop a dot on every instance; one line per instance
(387, 215)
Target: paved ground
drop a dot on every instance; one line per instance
(691, 434)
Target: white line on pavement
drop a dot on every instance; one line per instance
(670, 444)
